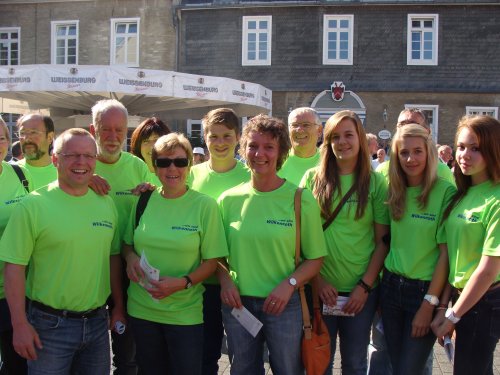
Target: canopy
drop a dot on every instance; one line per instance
(142, 91)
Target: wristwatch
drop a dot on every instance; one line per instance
(292, 281)
(189, 282)
(433, 300)
(450, 315)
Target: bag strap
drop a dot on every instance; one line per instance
(306, 318)
(335, 213)
(21, 177)
(141, 205)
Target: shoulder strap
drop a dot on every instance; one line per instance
(21, 177)
(306, 317)
(141, 205)
(335, 213)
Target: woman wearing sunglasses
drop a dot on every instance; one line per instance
(180, 235)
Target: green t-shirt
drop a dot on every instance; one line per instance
(124, 175)
(204, 179)
(295, 167)
(42, 176)
(175, 235)
(67, 242)
(442, 171)
(350, 243)
(473, 230)
(414, 248)
(260, 230)
(11, 193)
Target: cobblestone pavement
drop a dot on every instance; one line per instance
(441, 365)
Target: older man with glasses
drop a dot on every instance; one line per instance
(36, 134)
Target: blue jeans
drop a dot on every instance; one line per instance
(477, 335)
(168, 348)
(213, 330)
(400, 300)
(354, 335)
(76, 346)
(282, 334)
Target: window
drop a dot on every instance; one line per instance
(256, 40)
(489, 111)
(64, 42)
(337, 39)
(422, 48)
(431, 112)
(194, 130)
(10, 41)
(125, 41)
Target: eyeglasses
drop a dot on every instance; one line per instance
(75, 156)
(303, 125)
(166, 162)
(29, 133)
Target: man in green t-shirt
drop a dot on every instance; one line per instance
(305, 129)
(36, 133)
(119, 172)
(67, 235)
(221, 172)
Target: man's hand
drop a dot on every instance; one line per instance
(142, 187)
(99, 185)
(26, 341)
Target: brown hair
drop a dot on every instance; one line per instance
(268, 125)
(326, 183)
(221, 116)
(148, 127)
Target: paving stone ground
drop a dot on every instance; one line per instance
(441, 365)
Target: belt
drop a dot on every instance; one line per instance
(66, 313)
(493, 286)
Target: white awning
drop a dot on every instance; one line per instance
(142, 91)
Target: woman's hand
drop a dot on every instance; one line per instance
(357, 300)
(327, 292)
(165, 287)
(277, 300)
(230, 295)
(441, 326)
(422, 320)
(134, 270)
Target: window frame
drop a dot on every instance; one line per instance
(10, 30)
(244, 41)
(469, 109)
(435, 117)
(54, 38)
(112, 50)
(435, 39)
(338, 17)
(189, 128)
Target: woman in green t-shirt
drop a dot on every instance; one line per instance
(354, 240)
(472, 229)
(259, 221)
(417, 264)
(174, 247)
(11, 192)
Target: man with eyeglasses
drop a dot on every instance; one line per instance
(305, 129)
(417, 116)
(118, 172)
(67, 234)
(36, 134)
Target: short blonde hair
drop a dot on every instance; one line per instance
(68, 134)
(168, 143)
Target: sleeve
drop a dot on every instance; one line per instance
(18, 240)
(190, 178)
(213, 239)
(306, 181)
(379, 199)
(447, 197)
(128, 233)
(312, 240)
(116, 243)
(491, 245)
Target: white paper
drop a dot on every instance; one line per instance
(448, 348)
(380, 326)
(247, 320)
(337, 309)
(150, 273)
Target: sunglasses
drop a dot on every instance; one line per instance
(166, 162)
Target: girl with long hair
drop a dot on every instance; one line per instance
(417, 265)
(472, 233)
(354, 240)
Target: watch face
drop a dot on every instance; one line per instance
(292, 281)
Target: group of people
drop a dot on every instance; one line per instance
(174, 260)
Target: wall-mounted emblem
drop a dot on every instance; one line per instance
(338, 90)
